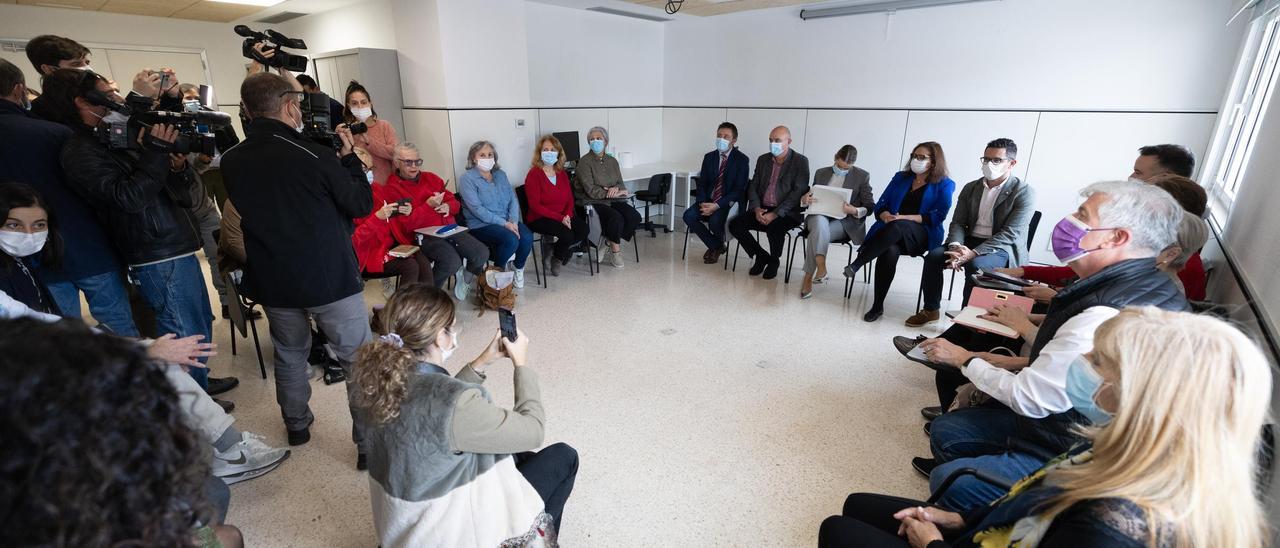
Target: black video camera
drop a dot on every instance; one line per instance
(273, 41)
(317, 123)
(195, 129)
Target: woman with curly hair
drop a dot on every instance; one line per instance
(96, 451)
(447, 467)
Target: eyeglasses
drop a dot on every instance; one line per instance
(414, 163)
(301, 94)
(919, 157)
(994, 161)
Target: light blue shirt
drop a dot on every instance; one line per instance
(488, 203)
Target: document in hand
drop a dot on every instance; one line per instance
(828, 201)
(441, 231)
(982, 300)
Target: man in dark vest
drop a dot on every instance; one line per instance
(1111, 243)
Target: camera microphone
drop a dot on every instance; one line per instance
(247, 32)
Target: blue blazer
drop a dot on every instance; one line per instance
(736, 175)
(934, 207)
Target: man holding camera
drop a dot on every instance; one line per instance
(296, 201)
(142, 194)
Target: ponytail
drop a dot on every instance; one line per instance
(381, 373)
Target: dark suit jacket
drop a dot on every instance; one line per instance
(1010, 218)
(736, 174)
(859, 181)
(793, 183)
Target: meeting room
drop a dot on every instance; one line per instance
(639, 273)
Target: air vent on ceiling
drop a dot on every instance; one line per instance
(612, 11)
(280, 17)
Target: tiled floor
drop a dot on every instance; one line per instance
(709, 408)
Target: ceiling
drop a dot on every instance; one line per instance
(719, 7)
(199, 10)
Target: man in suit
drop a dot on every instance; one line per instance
(780, 180)
(722, 183)
(988, 229)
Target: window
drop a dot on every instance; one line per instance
(1256, 76)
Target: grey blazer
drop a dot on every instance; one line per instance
(859, 181)
(1009, 219)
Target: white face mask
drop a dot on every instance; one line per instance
(919, 166)
(362, 114)
(301, 125)
(992, 172)
(446, 353)
(21, 244)
(485, 164)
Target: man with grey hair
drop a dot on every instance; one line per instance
(1111, 242)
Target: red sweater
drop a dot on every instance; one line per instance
(423, 215)
(372, 237)
(547, 201)
(1192, 276)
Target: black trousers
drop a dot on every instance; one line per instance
(867, 521)
(950, 380)
(551, 472)
(776, 232)
(890, 242)
(566, 237)
(618, 220)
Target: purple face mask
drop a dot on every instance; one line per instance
(1066, 239)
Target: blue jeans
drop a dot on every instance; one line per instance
(108, 301)
(175, 290)
(505, 244)
(712, 232)
(935, 264)
(976, 438)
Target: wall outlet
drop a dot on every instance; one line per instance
(519, 123)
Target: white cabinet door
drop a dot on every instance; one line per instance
(347, 69)
(125, 63)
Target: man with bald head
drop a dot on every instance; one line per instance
(781, 179)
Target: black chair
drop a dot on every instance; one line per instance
(951, 284)
(241, 311)
(656, 194)
(791, 241)
(803, 238)
(693, 193)
(538, 241)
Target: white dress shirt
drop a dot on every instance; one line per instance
(1040, 389)
(982, 228)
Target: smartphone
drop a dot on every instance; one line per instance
(507, 322)
(164, 82)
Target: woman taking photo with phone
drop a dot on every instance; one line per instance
(448, 467)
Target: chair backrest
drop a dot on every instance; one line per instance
(523, 200)
(661, 185)
(236, 309)
(1031, 229)
(694, 181)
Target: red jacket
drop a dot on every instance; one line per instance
(547, 201)
(423, 215)
(1192, 276)
(372, 237)
(1056, 276)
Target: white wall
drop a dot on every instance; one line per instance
(1012, 54)
(429, 130)
(422, 75)
(485, 61)
(877, 134)
(360, 25)
(514, 145)
(582, 58)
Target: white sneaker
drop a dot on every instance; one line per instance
(248, 455)
(615, 259)
(388, 288)
(602, 255)
(246, 476)
(519, 278)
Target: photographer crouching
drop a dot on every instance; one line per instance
(140, 190)
(296, 200)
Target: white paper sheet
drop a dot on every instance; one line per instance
(499, 280)
(829, 201)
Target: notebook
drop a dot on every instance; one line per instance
(441, 231)
(402, 251)
(983, 299)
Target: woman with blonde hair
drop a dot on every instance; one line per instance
(448, 467)
(1166, 466)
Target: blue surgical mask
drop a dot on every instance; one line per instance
(722, 145)
(775, 149)
(597, 145)
(1083, 383)
(368, 175)
(839, 172)
(549, 157)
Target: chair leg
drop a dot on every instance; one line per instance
(257, 346)
(537, 275)
(685, 253)
(232, 329)
(951, 286)
(635, 244)
(791, 257)
(736, 249)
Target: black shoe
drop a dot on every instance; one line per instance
(923, 465)
(873, 315)
(904, 345)
(299, 437)
(759, 266)
(362, 461)
(930, 413)
(708, 256)
(771, 271)
(226, 406)
(221, 385)
(928, 429)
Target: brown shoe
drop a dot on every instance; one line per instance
(922, 318)
(709, 257)
(713, 255)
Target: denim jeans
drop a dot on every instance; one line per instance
(175, 290)
(504, 244)
(108, 301)
(976, 438)
(935, 266)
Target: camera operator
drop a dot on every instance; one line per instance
(142, 196)
(296, 200)
(309, 85)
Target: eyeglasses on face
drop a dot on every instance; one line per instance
(414, 163)
(994, 161)
(919, 157)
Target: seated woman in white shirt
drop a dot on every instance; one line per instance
(824, 230)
